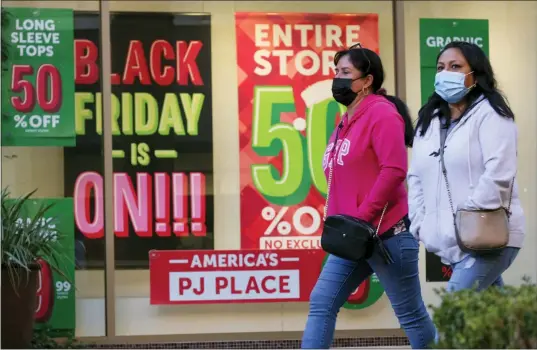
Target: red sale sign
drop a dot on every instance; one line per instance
(244, 276)
(232, 276)
(286, 115)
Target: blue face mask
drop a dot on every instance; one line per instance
(450, 86)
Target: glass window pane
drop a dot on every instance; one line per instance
(215, 154)
(53, 164)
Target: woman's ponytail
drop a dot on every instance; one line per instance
(404, 112)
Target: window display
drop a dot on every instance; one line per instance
(220, 116)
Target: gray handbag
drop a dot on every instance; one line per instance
(478, 231)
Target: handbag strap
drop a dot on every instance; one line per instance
(328, 189)
(443, 137)
(331, 166)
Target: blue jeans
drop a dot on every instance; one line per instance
(481, 272)
(400, 280)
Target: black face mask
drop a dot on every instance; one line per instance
(342, 92)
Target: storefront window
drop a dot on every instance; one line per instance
(207, 49)
(47, 152)
(220, 113)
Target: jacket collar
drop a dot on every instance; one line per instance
(364, 105)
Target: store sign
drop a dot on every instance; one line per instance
(190, 277)
(435, 34)
(38, 84)
(55, 299)
(162, 136)
(286, 116)
(243, 276)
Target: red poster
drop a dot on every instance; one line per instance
(243, 276)
(232, 276)
(286, 111)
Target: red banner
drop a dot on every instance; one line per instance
(232, 276)
(286, 112)
(243, 276)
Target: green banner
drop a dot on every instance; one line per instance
(435, 33)
(38, 82)
(55, 306)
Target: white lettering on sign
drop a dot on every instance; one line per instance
(291, 45)
(35, 37)
(234, 260)
(234, 285)
(438, 41)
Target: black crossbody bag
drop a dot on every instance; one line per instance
(348, 237)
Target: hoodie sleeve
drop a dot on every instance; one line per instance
(388, 141)
(416, 204)
(498, 140)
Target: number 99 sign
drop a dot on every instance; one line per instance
(301, 155)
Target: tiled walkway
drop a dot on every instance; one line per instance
(340, 343)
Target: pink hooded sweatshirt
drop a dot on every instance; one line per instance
(370, 164)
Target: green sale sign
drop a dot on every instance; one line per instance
(38, 84)
(55, 306)
(435, 34)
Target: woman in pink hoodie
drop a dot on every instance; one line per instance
(369, 163)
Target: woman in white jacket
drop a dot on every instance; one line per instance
(480, 156)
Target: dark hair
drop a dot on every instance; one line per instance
(485, 85)
(369, 63)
